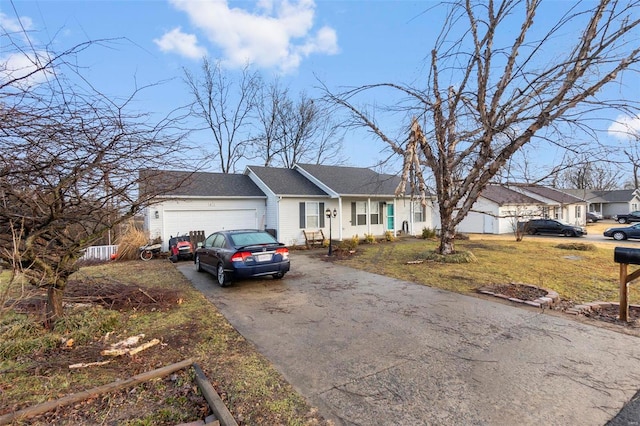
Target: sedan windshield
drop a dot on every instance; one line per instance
(251, 238)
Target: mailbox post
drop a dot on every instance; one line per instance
(626, 256)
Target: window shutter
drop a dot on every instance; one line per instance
(302, 216)
(321, 208)
(353, 214)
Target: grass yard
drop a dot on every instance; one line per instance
(577, 275)
(154, 299)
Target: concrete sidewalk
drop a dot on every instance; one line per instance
(367, 349)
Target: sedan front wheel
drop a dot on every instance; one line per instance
(622, 220)
(619, 236)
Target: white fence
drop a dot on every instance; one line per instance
(99, 252)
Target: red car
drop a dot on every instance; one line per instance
(180, 248)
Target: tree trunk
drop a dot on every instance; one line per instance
(54, 306)
(447, 230)
(447, 245)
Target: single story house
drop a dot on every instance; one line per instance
(499, 209)
(557, 204)
(286, 202)
(609, 203)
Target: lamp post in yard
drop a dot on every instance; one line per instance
(330, 215)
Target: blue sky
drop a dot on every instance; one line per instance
(343, 43)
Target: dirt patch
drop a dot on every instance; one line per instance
(606, 312)
(110, 294)
(142, 297)
(610, 314)
(519, 291)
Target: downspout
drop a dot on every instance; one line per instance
(277, 218)
(340, 218)
(368, 216)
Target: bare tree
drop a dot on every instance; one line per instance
(228, 110)
(633, 156)
(589, 174)
(296, 132)
(484, 100)
(270, 142)
(69, 167)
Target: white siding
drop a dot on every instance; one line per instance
(483, 218)
(178, 217)
(290, 232)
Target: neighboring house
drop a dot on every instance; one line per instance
(286, 201)
(609, 203)
(498, 211)
(205, 202)
(558, 204)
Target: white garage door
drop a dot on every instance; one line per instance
(181, 222)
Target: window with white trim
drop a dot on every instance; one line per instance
(578, 212)
(419, 212)
(311, 215)
(358, 213)
(375, 213)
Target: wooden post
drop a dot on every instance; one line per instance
(624, 293)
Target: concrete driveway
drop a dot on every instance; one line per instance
(367, 349)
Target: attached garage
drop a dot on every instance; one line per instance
(179, 222)
(206, 202)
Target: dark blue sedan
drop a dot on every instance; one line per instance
(623, 233)
(242, 254)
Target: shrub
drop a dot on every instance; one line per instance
(130, 242)
(388, 235)
(349, 244)
(428, 233)
(369, 239)
(577, 246)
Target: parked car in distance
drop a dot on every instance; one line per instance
(593, 217)
(241, 253)
(623, 233)
(553, 226)
(627, 218)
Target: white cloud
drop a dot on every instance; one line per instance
(625, 127)
(180, 43)
(23, 68)
(12, 25)
(277, 35)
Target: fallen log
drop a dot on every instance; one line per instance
(76, 397)
(215, 402)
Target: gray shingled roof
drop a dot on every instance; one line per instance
(286, 181)
(552, 194)
(505, 196)
(353, 180)
(203, 184)
(614, 196)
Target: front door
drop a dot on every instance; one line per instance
(390, 222)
